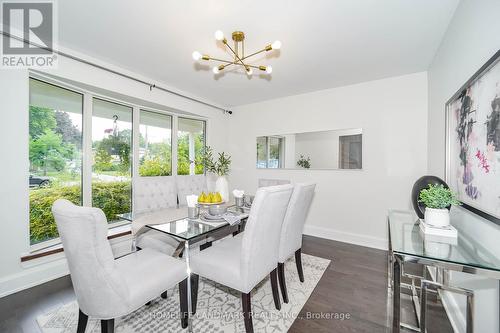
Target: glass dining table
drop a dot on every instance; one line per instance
(189, 231)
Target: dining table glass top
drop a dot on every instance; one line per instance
(406, 238)
(188, 229)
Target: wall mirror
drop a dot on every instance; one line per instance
(334, 149)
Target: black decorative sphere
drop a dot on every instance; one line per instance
(420, 184)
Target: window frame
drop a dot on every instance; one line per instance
(171, 140)
(204, 121)
(54, 241)
(281, 151)
(122, 222)
(86, 168)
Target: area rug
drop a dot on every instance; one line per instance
(219, 308)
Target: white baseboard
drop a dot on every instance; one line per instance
(50, 268)
(33, 276)
(346, 237)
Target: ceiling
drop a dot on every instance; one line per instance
(326, 43)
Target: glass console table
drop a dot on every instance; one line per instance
(407, 244)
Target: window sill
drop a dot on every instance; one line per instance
(115, 232)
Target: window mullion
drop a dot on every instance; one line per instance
(135, 143)
(268, 151)
(175, 126)
(87, 150)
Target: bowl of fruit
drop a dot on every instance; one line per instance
(212, 198)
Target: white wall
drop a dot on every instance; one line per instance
(289, 150)
(14, 90)
(472, 38)
(350, 205)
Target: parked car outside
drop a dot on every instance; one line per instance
(39, 181)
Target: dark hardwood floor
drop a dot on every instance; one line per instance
(355, 284)
(354, 287)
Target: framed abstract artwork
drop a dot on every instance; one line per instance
(473, 141)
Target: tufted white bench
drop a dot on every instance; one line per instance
(159, 199)
(187, 185)
(153, 194)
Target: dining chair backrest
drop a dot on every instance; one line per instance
(99, 289)
(263, 182)
(295, 218)
(260, 243)
(190, 184)
(154, 193)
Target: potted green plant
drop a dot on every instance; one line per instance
(437, 199)
(219, 167)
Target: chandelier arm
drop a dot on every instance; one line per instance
(235, 54)
(237, 63)
(222, 60)
(229, 63)
(253, 66)
(255, 53)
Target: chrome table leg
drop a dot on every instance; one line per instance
(426, 284)
(190, 306)
(396, 295)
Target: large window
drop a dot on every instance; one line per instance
(55, 154)
(92, 166)
(112, 158)
(155, 144)
(190, 146)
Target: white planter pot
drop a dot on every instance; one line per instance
(441, 250)
(222, 186)
(437, 217)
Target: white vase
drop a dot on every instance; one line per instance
(437, 217)
(222, 186)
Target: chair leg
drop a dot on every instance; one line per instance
(82, 322)
(298, 262)
(107, 326)
(194, 291)
(247, 312)
(164, 294)
(282, 281)
(205, 246)
(184, 302)
(274, 286)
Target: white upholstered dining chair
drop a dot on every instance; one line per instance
(291, 232)
(106, 288)
(241, 262)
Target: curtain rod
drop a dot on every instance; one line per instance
(72, 57)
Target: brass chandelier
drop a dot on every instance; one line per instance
(238, 50)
